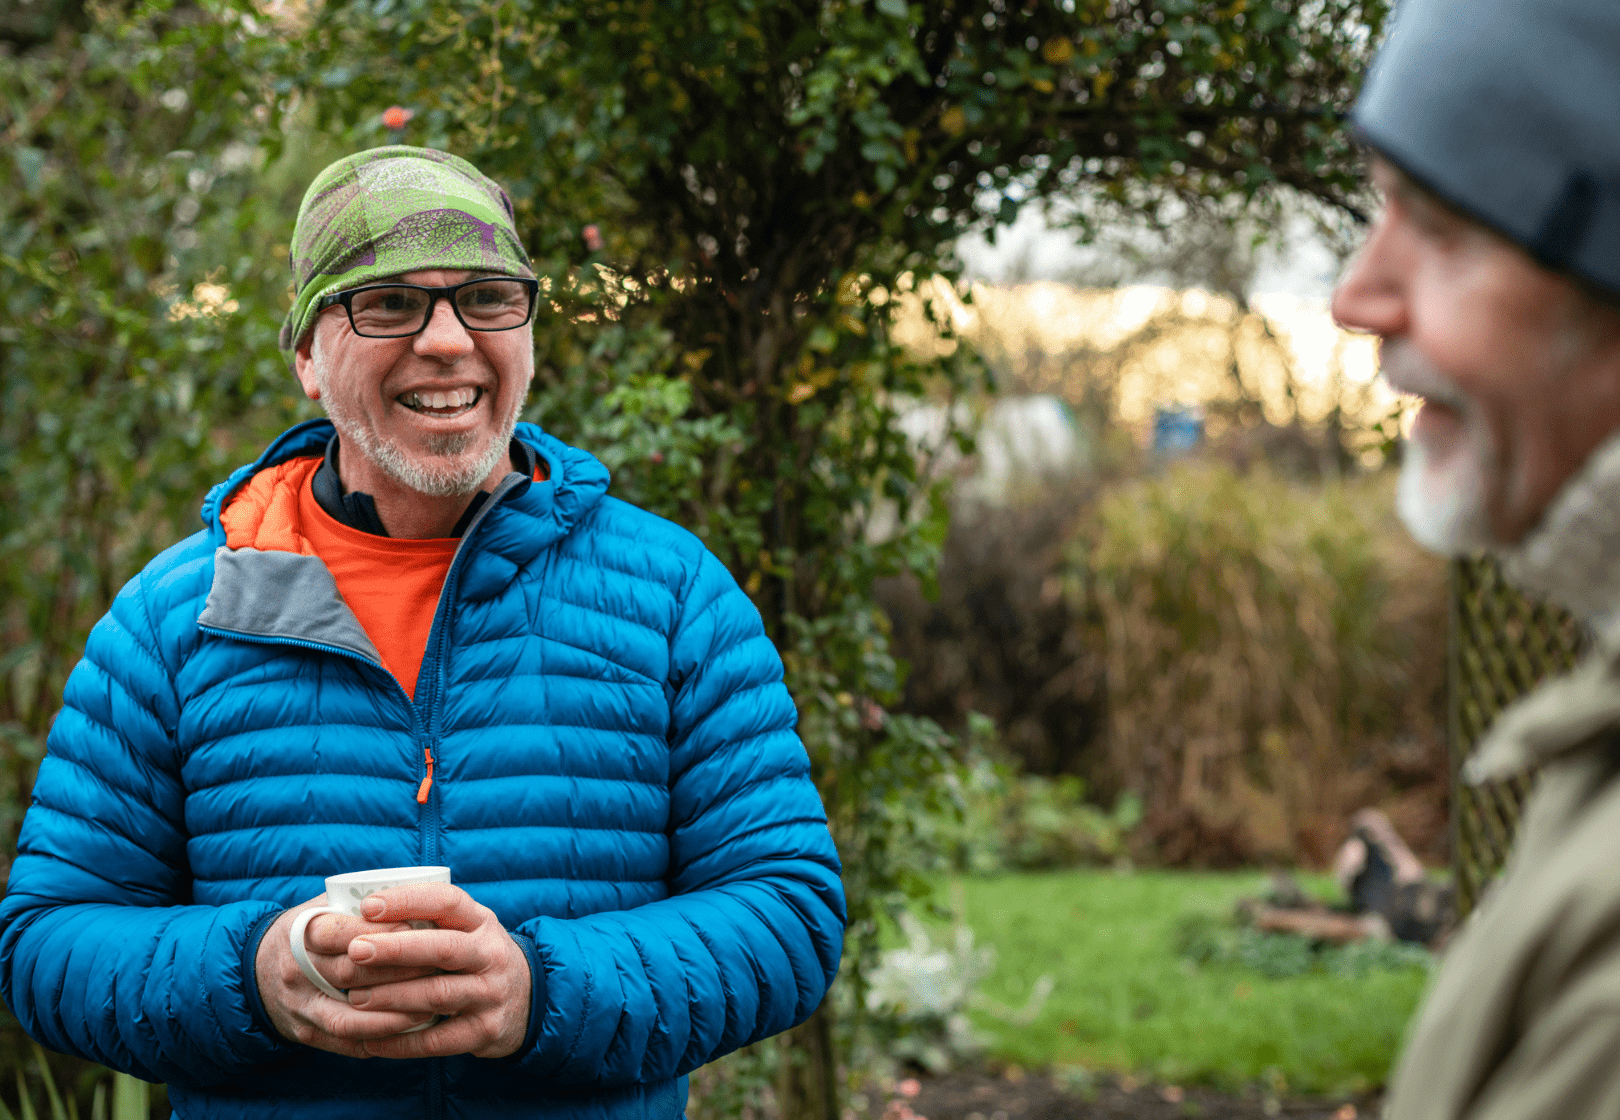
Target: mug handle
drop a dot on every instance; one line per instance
(300, 951)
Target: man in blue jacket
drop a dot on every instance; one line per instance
(421, 633)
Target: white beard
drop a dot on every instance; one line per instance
(1444, 514)
(450, 472)
(1442, 502)
(1573, 555)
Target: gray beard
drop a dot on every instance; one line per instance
(1573, 555)
(1450, 519)
(446, 474)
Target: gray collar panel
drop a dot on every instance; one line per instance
(282, 596)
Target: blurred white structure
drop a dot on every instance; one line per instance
(1021, 442)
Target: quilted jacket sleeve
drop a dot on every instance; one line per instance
(99, 954)
(750, 938)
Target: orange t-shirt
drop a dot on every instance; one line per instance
(391, 584)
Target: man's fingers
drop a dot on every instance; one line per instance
(331, 933)
(371, 977)
(338, 1020)
(463, 1034)
(302, 1014)
(443, 949)
(446, 993)
(466, 967)
(445, 905)
(341, 972)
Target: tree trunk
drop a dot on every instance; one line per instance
(807, 1087)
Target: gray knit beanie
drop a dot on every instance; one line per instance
(1509, 110)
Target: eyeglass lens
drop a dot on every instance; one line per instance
(487, 305)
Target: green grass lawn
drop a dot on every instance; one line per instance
(1126, 1001)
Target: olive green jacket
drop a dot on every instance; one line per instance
(1522, 1020)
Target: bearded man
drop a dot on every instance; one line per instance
(422, 634)
(1492, 279)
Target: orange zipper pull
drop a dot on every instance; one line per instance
(427, 779)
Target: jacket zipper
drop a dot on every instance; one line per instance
(430, 703)
(427, 712)
(427, 778)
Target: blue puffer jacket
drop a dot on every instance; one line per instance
(616, 776)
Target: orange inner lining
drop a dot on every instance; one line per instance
(391, 584)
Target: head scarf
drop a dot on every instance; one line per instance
(391, 210)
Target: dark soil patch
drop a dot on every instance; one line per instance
(1031, 1096)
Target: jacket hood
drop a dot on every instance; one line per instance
(527, 518)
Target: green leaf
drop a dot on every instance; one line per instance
(30, 162)
(58, 1112)
(25, 1103)
(130, 1098)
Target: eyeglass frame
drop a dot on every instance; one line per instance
(346, 298)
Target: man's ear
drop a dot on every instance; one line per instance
(304, 365)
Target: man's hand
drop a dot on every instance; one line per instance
(300, 1011)
(480, 978)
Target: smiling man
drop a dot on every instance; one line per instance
(420, 633)
(1492, 279)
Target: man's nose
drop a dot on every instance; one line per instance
(444, 337)
(1371, 297)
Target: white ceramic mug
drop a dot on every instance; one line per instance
(344, 893)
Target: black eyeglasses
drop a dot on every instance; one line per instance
(490, 303)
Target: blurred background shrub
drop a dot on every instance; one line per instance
(1236, 637)
(1243, 657)
(1006, 819)
(1274, 660)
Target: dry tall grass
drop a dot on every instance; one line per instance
(1247, 641)
(1275, 658)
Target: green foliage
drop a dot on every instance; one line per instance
(1049, 824)
(129, 1097)
(137, 305)
(1005, 820)
(1125, 999)
(739, 1087)
(920, 995)
(1207, 939)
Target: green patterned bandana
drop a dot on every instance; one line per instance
(392, 210)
